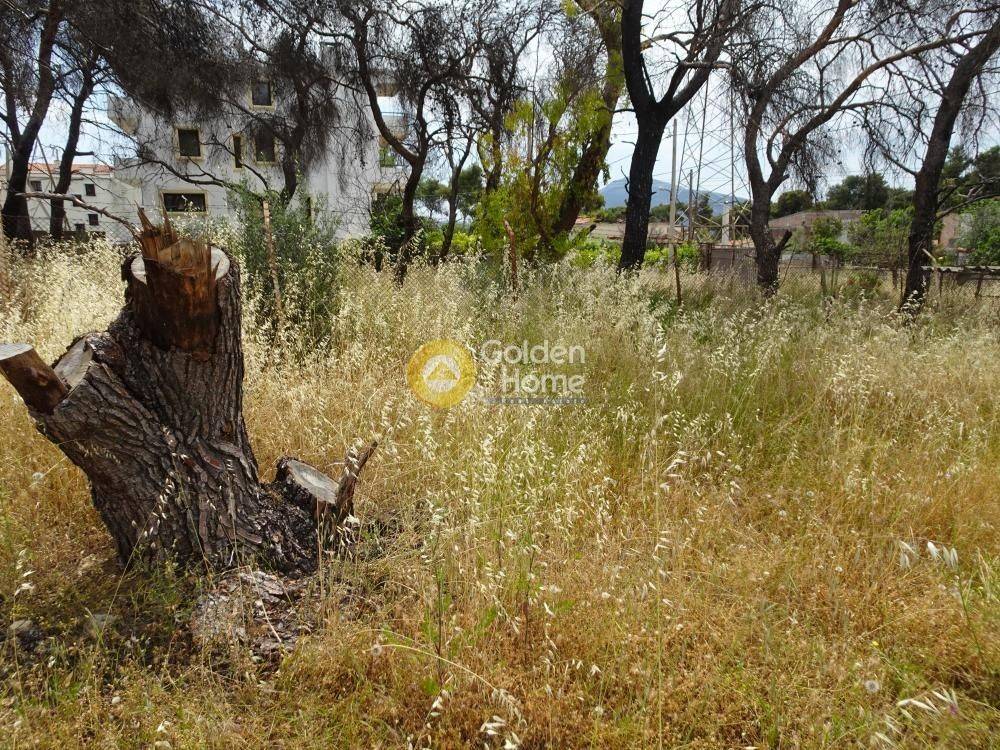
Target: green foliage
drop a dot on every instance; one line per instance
(385, 219)
(594, 251)
(790, 202)
(532, 189)
(881, 236)
(307, 258)
(591, 251)
(432, 195)
(899, 198)
(823, 238)
(864, 192)
(688, 255)
(966, 176)
(982, 235)
(470, 188)
(610, 215)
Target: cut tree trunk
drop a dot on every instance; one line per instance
(152, 411)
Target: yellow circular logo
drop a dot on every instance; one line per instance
(441, 373)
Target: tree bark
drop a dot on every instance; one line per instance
(767, 252)
(928, 178)
(640, 194)
(407, 220)
(453, 186)
(152, 412)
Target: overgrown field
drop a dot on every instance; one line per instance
(769, 525)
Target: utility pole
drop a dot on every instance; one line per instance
(732, 174)
(673, 210)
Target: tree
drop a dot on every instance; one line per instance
(76, 89)
(265, 42)
(30, 77)
(693, 51)
(796, 70)
(470, 188)
(913, 130)
(859, 192)
(550, 129)
(160, 51)
(419, 49)
(972, 60)
(880, 238)
(791, 202)
(151, 410)
(982, 235)
(823, 238)
(498, 85)
(431, 195)
(595, 144)
(967, 179)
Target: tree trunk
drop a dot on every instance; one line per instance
(453, 186)
(152, 411)
(920, 242)
(640, 192)
(449, 228)
(57, 208)
(408, 223)
(767, 252)
(14, 214)
(16, 220)
(591, 162)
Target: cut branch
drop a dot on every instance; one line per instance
(37, 383)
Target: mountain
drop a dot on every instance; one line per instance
(616, 195)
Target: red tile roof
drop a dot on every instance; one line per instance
(51, 168)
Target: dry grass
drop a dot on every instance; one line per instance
(770, 526)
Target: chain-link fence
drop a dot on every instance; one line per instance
(730, 271)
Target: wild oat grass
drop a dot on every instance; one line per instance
(770, 525)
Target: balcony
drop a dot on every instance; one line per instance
(124, 113)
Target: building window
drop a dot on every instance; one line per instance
(188, 143)
(176, 203)
(260, 94)
(36, 186)
(90, 189)
(79, 227)
(263, 148)
(238, 151)
(93, 219)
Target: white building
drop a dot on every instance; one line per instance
(190, 166)
(94, 184)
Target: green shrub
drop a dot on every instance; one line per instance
(306, 254)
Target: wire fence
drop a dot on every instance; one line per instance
(730, 271)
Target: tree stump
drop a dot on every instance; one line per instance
(152, 411)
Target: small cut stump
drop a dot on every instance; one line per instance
(152, 411)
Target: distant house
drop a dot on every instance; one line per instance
(952, 227)
(804, 220)
(187, 165)
(659, 232)
(94, 184)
